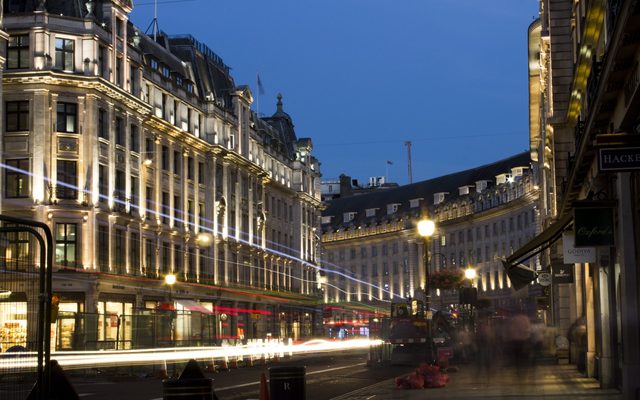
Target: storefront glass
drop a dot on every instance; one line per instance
(114, 324)
(13, 325)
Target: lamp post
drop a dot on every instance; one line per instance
(426, 229)
(470, 274)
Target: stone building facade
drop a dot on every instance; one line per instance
(584, 96)
(372, 253)
(145, 159)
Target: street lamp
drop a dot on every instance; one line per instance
(470, 298)
(470, 274)
(170, 280)
(426, 229)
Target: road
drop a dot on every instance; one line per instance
(328, 375)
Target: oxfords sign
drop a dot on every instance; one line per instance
(593, 224)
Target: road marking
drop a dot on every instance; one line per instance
(310, 373)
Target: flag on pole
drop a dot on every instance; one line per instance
(260, 87)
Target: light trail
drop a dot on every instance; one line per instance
(20, 362)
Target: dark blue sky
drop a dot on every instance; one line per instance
(360, 77)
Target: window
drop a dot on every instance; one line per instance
(17, 116)
(374, 251)
(134, 196)
(66, 244)
(103, 183)
(16, 178)
(165, 71)
(201, 214)
(119, 251)
(133, 79)
(189, 87)
(154, 64)
(120, 190)
(201, 173)
(352, 253)
(134, 138)
(165, 208)
(190, 213)
(119, 77)
(374, 270)
(190, 168)
(103, 125)
(16, 251)
(103, 248)
(175, 113)
(67, 179)
(67, 114)
(165, 158)
(18, 52)
(363, 252)
(64, 54)
(149, 257)
(177, 259)
(102, 62)
(119, 24)
(176, 162)
(120, 131)
(364, 272)
(134, 250)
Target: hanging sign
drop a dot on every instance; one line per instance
(593, 224)
(573, 254)
(562, 273)
(619, 159)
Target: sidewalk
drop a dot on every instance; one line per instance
(541, 382)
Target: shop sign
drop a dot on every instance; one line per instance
(544, 279)
(619, 159)
(593, 226)
(562, 273)
(573, 254)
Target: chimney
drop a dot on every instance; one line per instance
(345, 186)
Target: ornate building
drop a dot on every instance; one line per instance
(584, 96)
(145, 159)
(373, 254)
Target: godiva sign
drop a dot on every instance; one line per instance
(593, 224)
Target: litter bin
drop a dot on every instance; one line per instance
(191, 385)
(287, 383)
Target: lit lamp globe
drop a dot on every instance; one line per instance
(470, 273)
(170, 279)
(426, 227)
(204, 239)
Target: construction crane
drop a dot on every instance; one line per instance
(408, 144)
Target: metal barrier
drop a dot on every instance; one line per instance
(25, 308)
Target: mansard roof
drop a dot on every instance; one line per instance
(283, 124)
(424, 189)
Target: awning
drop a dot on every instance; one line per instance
(544, 240)
(191, 305)
(519, 274)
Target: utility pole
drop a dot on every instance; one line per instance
(408, 144)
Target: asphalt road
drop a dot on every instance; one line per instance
(328, 375)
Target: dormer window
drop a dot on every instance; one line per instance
(165, 71)
(415, 203)
(179, 80)
(481, 185)
(439, 197)
(349, 216)
(370, 212)
(503, 178)
(154, 64)
(464, 190)
(189, 87)
(392, 208)
(326, 219)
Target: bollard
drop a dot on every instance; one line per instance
(191, 385)
(287, 383)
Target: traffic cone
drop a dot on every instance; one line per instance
(264, 389)
(162, 374)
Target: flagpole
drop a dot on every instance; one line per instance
(258, 97)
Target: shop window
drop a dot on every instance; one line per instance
(65, 49)
(13, 324)
(66, 244)
(16, 178)
(66, 117)
(17, 116)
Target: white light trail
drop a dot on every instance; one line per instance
(16, 362)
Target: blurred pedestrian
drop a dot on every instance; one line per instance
(519, 335)
(485, 345)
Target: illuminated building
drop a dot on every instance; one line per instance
(145, 159)
(372, 253)
(583, 81)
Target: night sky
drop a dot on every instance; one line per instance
(361, 77)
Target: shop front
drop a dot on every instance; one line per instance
(13, 321)
(115, 316)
